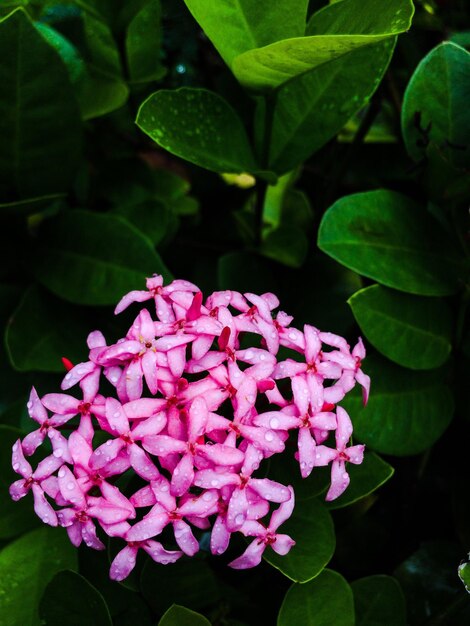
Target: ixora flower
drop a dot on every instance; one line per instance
(193, 411)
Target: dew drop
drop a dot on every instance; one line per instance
(269, 436)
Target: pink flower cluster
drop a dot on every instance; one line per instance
(194, 413)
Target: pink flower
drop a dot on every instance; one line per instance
(354, 454)
(190, 411)
(266, 537)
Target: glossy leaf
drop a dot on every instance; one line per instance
(371, 474)
(143, 44)
(407, 411)
(235, 26)
(39, 152)
(387, 237)
(362, 17)
(435, 107)
(190, 582)
(411, 331)
(181, 616)
(464, 575)
(91, 258)
(42, 330)
(310, 109)
(199, 126)
(334, 32)
(325, 600)
(311, 527)
(26, 567)
(15, 517)
(70, 599)
(379, 600)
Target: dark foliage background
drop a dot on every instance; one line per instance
(342, 188)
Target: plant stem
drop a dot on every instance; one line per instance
(262, 185)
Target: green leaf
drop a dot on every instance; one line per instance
(311, 527)
(387, 237)
(42, 330)
(287, 245)
(91, 258)
(104, 89)
(70, 599)
(324, 601)
(180, 616)
(464, 574)
(150, 217)
(98, 85)
(199, 126)
(15, 517)
(41, 135)
(371, 474)
(310, 109)
(412, 331)
(379, 600)
(26, 567)
(334, 32)
(235, 26)
(407, 410)
(435, 106)
(362, 17)
(189, 581)
(29, 205)
(143, 44)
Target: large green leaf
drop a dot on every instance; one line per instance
(407, 410)
(362, 17)
(181, 616)
(386, 236)
(311, 527)
(379, 600)
(143, 44)
(40, 122)
(324, 601)
(199, 126)
(26, 567)
(365, 478)
(42, 330)
(435, 107)
(310, 109)
(98, 85)
(412, 331)
(235, 26)
(333, 33)
(70, 599)
(91, 258)
(15, 517)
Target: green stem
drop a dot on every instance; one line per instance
(262, 186)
